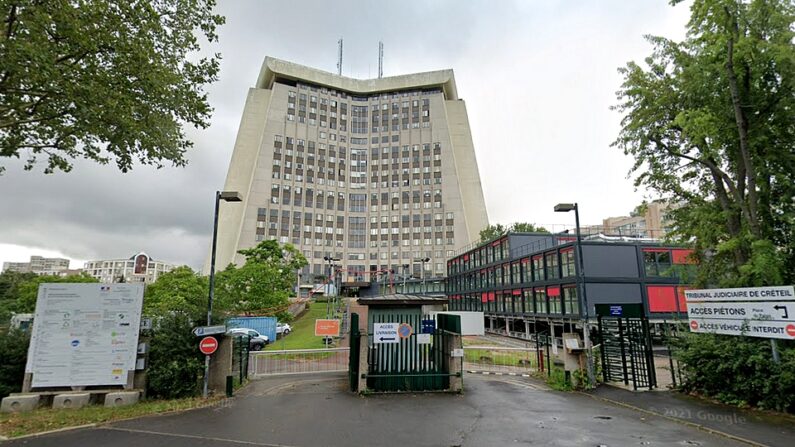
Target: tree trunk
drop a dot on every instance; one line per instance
(752, 200)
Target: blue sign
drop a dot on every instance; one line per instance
(428, 327)
(75, 343)
(616, 310)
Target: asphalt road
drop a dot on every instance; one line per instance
(301, 411)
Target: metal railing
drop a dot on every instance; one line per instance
(500, 359)
(298, 361)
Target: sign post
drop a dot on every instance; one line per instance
(327, 328)
(385, 333)
(765, 312)
(207, 346)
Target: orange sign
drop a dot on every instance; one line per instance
(327, 327)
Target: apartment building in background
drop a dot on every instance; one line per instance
(647, 221)
(378, 173)
(39, 265)
(137, 268)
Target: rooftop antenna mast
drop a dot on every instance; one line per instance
(339, 57)
(380, 59)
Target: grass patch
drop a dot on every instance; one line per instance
(524, 359)
(303, 334)
(46, 419)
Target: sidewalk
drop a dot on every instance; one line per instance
(755, 427)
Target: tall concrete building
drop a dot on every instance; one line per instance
(137, 268)
(379, 173)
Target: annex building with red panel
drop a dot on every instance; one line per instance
(527, 282)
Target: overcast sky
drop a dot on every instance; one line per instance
(538, 78)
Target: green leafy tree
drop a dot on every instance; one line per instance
(104, 80)
(264, 283)
(709, 122)
(175, 363)
(494, 231)
(179, 291)
(27, 291)
(9, 289)
(13, 356)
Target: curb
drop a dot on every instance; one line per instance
(105, 423)
(489, 373)
(48, 432)
(677, 420)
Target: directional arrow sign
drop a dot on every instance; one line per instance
(784, 315)
(202, 331)
(385, 332)
(754, 311)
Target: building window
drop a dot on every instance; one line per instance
(540, 301)
(571, 302)
(555, 301)
(657, 262)
(567, 262)
(538, 268)
(552, 265)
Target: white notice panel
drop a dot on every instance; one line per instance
(385, 332)
(84, 334)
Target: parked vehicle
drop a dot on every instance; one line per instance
(283, 329)
(255, 343)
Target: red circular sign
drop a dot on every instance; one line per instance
(791, 330)
(208, 345)
(694, 325)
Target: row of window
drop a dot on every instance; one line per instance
(540, 267)
(487, 254)
(552, 300)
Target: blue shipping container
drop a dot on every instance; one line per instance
(264, 325)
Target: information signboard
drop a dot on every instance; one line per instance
(327, 328)
(385, 333)
(84, 334)
(765, 312)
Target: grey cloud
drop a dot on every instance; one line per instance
(538, 78)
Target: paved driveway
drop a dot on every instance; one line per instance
(318, 411)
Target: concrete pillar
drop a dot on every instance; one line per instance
(220, 365)
(507, 326)
(364, 346)
(454, 364)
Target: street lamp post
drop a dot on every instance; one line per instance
(565, 208)
(227, 196)
(422, 273)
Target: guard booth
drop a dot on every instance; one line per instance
(626, 345)
(402, 348)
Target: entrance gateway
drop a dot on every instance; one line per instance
(626, 345)
(404, 351)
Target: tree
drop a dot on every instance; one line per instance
(494, 231)
(710, 122)
(26, 292)
(264, 283)
(104, 80)
(9, 289)
(179, 291)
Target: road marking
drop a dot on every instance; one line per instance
(179, 435)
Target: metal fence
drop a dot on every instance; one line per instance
(298, 361)
(500, 359)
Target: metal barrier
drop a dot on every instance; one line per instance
(500, 359)
(298, 361)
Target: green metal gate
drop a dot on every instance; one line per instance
(626, 345)
(408, 365)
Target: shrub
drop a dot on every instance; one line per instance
(13, 355)
(176, 366)
(738, 370)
